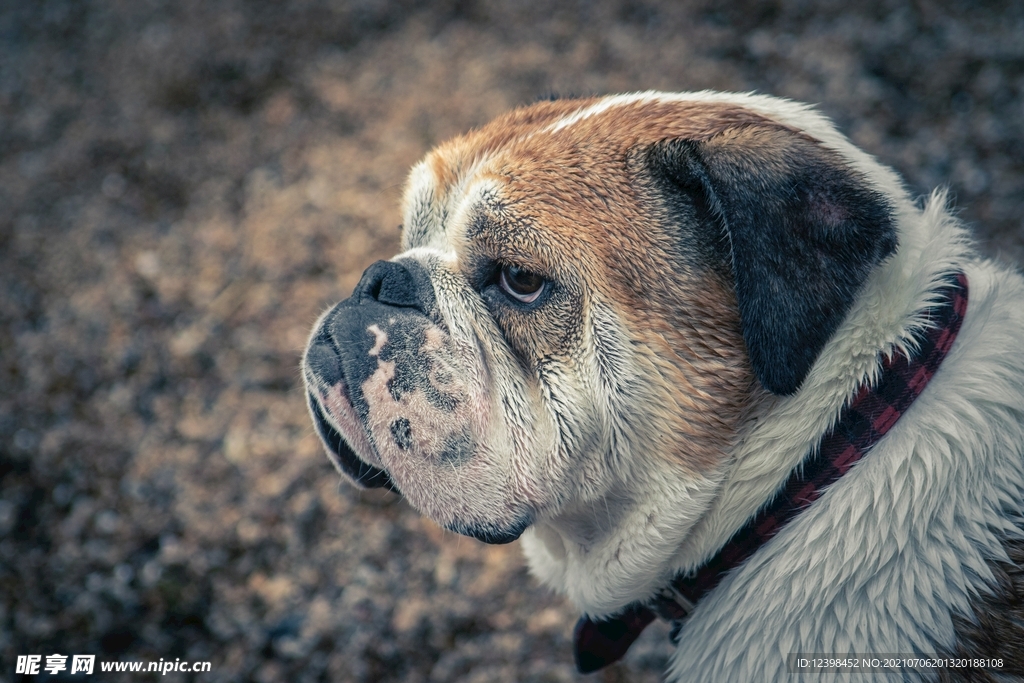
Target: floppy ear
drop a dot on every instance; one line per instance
(803, 231)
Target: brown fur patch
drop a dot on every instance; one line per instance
(995, 629)
(578, 206)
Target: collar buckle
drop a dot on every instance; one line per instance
(670, 604)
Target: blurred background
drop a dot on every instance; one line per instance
(185, 185)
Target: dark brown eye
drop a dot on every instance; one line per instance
(520, 284)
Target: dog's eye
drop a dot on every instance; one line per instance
(520, 284)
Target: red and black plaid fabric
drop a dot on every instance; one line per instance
(862, 423)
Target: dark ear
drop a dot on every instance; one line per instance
(804, 230)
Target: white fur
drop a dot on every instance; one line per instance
(882, 560)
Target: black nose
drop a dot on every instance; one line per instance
(394, 284)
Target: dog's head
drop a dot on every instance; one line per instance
(590, 291)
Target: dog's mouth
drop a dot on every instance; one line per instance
(342, 455)
(366, 475)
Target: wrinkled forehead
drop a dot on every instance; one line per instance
(562, 163)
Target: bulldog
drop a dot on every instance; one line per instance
(711, 362)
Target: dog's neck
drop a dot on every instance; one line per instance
(623, 548)
(886, 317)
(867, 418)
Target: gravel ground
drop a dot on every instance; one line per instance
(185, 185)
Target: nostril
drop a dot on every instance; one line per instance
(322, 360)
(369, 285)
(389, 283)
(374, 291)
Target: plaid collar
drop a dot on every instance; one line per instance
(862, 423)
